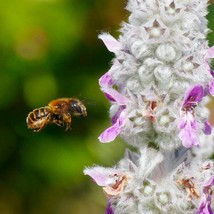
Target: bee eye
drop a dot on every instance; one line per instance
(75, 107)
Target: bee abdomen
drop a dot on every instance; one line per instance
(38, 113)
(38, 118)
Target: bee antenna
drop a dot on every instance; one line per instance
(88, 102)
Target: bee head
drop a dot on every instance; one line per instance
(78, 108)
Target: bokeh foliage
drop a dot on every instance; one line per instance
(49, 49)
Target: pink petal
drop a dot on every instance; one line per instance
(207, 128)
(99, 178)
(113, 131)
(182, 123)
(100, 175)
(112, 180)
(205, 206)
(188, 132)
(110, 134)
(110, 42)
(106, 80)
(114, 96)
(210, 182)
(117, 114)
(188, 138)
(210, 52)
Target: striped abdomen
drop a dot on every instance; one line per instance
(39, 118)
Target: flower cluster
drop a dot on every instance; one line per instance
(167, 183)
(158, 86)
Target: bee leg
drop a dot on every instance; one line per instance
(59, 123)
(68, 126)
(56, 119)
(67, 120)
(38, 129)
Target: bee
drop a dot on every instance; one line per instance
(59, 112)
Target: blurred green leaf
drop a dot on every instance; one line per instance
(39, 89)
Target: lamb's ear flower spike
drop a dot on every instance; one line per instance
(158, 86)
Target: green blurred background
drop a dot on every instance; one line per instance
(49, 49)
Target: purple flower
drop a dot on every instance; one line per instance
(118, 119)
(205, 206)
(188, 125)
(106, 82)
(188, 131)
(112, 180)
(113, 131)
(192, 97)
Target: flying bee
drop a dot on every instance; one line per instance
(59, 112)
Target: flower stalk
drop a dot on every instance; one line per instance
(158, 87)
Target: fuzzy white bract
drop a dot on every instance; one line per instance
(158, 86)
